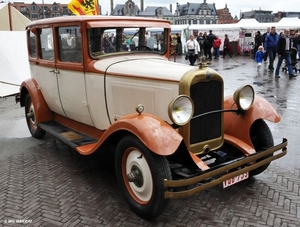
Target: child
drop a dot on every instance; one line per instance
(259, 56)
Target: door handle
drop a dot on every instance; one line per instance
(54, 71)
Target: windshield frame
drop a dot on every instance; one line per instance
(126, 40)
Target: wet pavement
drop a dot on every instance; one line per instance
(45, 183)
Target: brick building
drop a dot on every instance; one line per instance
(224, 16)
(34, 11)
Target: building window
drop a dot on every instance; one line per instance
(34, 8)
(34, 15)
(23, 9)
(65, 10)
(54, 8)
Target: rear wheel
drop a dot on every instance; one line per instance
(262, 139)
(34, 129)
(140, 174)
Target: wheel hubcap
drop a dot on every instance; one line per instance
(31, 116)
(136, 176)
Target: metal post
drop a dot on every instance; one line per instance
(43, 9)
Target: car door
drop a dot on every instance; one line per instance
(43, 69)
(70, 74)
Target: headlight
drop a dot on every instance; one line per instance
(181, 110)
(244, 97)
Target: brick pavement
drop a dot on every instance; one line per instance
(51, 185)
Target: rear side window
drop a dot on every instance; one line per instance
(69, 44)
(46, 42)
(32, 45)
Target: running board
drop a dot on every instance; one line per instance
(67, 135)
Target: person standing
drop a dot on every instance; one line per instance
(297, 40)
(259, 55)
(205, 44)
(106, 43)
(257, 42)
(192, 48)
(200, 40)
(112, 44)
(210, 38)
(179, 44)
(216, 46)
(263, 41)
(283, 50)
(270, 47)
(226, 47)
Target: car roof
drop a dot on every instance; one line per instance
(114, 21)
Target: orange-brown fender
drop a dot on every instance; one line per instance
(238, 126)
(42, 111)
(155, 133)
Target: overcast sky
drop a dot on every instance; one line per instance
(235, 6)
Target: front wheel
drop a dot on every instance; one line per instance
(34, 129)
(140, 174)
(262, 139)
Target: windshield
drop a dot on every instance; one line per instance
(103, 41)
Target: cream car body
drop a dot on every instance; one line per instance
(173, 132)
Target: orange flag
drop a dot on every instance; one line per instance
(84, 7)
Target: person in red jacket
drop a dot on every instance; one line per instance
(227, 47)
(216, 45)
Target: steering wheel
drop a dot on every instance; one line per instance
(142, 47)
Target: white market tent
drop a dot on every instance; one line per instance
(288, 22)
(13, 50)
(11, 19)
(13, 61)
(249, 26)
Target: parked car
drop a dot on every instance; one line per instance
(173, 131)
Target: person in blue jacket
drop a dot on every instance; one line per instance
(259, 56)
(270, 46)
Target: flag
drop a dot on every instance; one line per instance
(84, 7)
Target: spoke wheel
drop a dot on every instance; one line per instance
(140, 174)
(34, 129)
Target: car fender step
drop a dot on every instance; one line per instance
(67, 135)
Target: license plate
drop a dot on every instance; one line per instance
(235, 179)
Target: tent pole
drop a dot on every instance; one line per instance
(9, 16)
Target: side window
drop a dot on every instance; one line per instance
(69, 44)
(47, 47)
(32, 44)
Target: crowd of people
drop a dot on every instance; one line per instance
(284, 46)
(207, 45)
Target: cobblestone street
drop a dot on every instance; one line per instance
(44, 183)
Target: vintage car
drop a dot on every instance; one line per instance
(99, 81)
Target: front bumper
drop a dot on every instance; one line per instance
(197, 183)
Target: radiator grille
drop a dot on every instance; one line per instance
(207, 96)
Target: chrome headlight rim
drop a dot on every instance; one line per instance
(181, 110)
(244, 97)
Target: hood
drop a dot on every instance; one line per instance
(154, 67)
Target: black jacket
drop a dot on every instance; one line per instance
(281, 46)
(211, 37)
(298, 40)
(257, 41)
